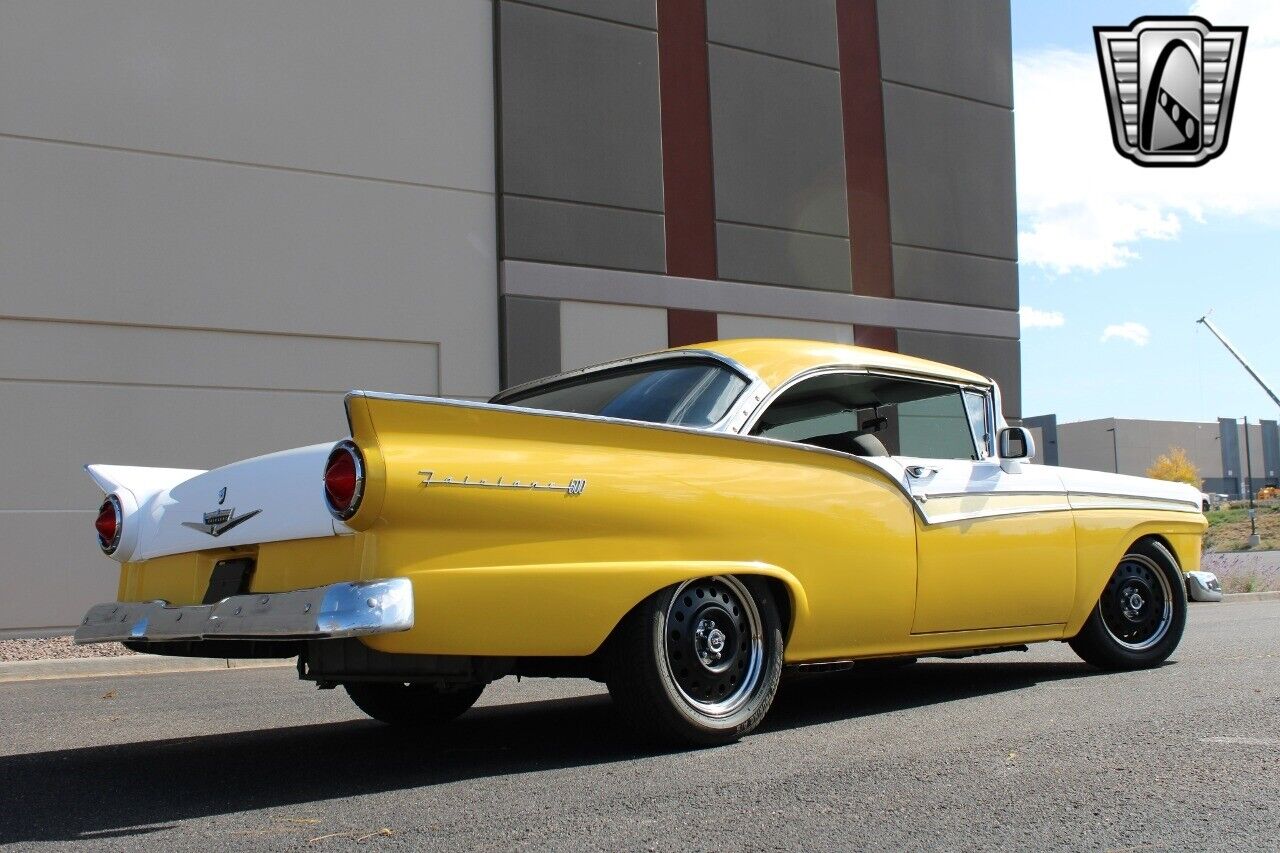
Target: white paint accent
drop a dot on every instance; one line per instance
(746, 326)
(592, 332)
(285, 487)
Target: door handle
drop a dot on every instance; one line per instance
(920, 471)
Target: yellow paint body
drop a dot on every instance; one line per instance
(523, 572)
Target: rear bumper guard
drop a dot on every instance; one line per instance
(323, 612)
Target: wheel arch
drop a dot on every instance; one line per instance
(788, 593)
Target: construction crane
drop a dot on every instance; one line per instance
(1254, 538)
(1226, 343)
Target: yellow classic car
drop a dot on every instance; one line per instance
(683, 525)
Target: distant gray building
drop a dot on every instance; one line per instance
(1130, 446)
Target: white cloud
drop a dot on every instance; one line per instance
(1084, 207)
(1134, 333)
(1034, 318)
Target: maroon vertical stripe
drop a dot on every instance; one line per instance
(686, 138)
(866, 172)
(685, 326)
(876, 337)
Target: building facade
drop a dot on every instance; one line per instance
(1126, 446)
(218, 217)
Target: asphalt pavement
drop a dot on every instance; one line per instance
(1017, 751)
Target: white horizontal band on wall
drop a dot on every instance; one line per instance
(617, 287)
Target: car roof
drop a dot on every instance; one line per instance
(775, 360)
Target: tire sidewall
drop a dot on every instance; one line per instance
(1130, 658)
(753, 710)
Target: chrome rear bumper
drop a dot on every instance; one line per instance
(323, 612)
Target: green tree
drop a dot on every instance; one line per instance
(1175, 467)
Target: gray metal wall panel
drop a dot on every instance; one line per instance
(564, 232)
(795, 29)
(778, 142)
(951, 183)
(530, 339)
(1270, 452)
(961, 48)
(1047, 443)
(1090, 445)
(770, 256)
(639, 13)
(580, 113)
(401, 91)
(941, 276)
(1232, 467)
(999, 358)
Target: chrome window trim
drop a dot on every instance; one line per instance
(825, 370)
(754, 391)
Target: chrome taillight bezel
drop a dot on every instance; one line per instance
(349, 447)
(112, 501)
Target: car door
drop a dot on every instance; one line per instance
(995, 538)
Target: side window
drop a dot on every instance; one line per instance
(936, 426)
(870, 415)
(975, 402)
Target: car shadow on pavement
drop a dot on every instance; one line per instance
(132, 789)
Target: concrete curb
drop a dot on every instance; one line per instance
(42, 670)
(1242, 597)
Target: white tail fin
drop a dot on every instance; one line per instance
(141, 482)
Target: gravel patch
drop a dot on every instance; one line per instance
(57, 648)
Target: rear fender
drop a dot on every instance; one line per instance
(566, 609)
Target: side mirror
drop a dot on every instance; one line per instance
(1017, 443)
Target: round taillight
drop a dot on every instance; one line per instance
(108, 524)
(344, 480)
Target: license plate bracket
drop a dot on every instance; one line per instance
(229, 577)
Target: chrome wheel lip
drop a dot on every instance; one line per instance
(751, 676)
(1166, 616)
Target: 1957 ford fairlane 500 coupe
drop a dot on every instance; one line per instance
(681, 525)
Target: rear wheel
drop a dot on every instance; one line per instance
(698, 663)
(1141, 613)
(400, 704)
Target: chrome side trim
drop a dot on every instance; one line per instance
(324, 612)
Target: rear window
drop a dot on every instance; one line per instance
(687, 392)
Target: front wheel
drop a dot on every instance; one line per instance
(698, 663)
(1140, 616)
(399, 704)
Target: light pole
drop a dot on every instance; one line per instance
(1254, 539)
(1115, 450)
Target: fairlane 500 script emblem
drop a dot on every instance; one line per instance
(575, 487)
(220, 521)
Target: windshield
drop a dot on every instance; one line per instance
(687, 391)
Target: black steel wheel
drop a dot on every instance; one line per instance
(400, 704)
(1140, 615)
(699, 662)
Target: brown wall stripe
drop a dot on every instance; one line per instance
(876, 337)
(686, 139)
(685, 326)
(866, 171)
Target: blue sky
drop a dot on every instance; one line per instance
(1105, 244)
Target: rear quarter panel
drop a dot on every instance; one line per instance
(510, 571)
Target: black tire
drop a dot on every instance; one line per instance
(398, 704)
(698, 663)
(1139, 618)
